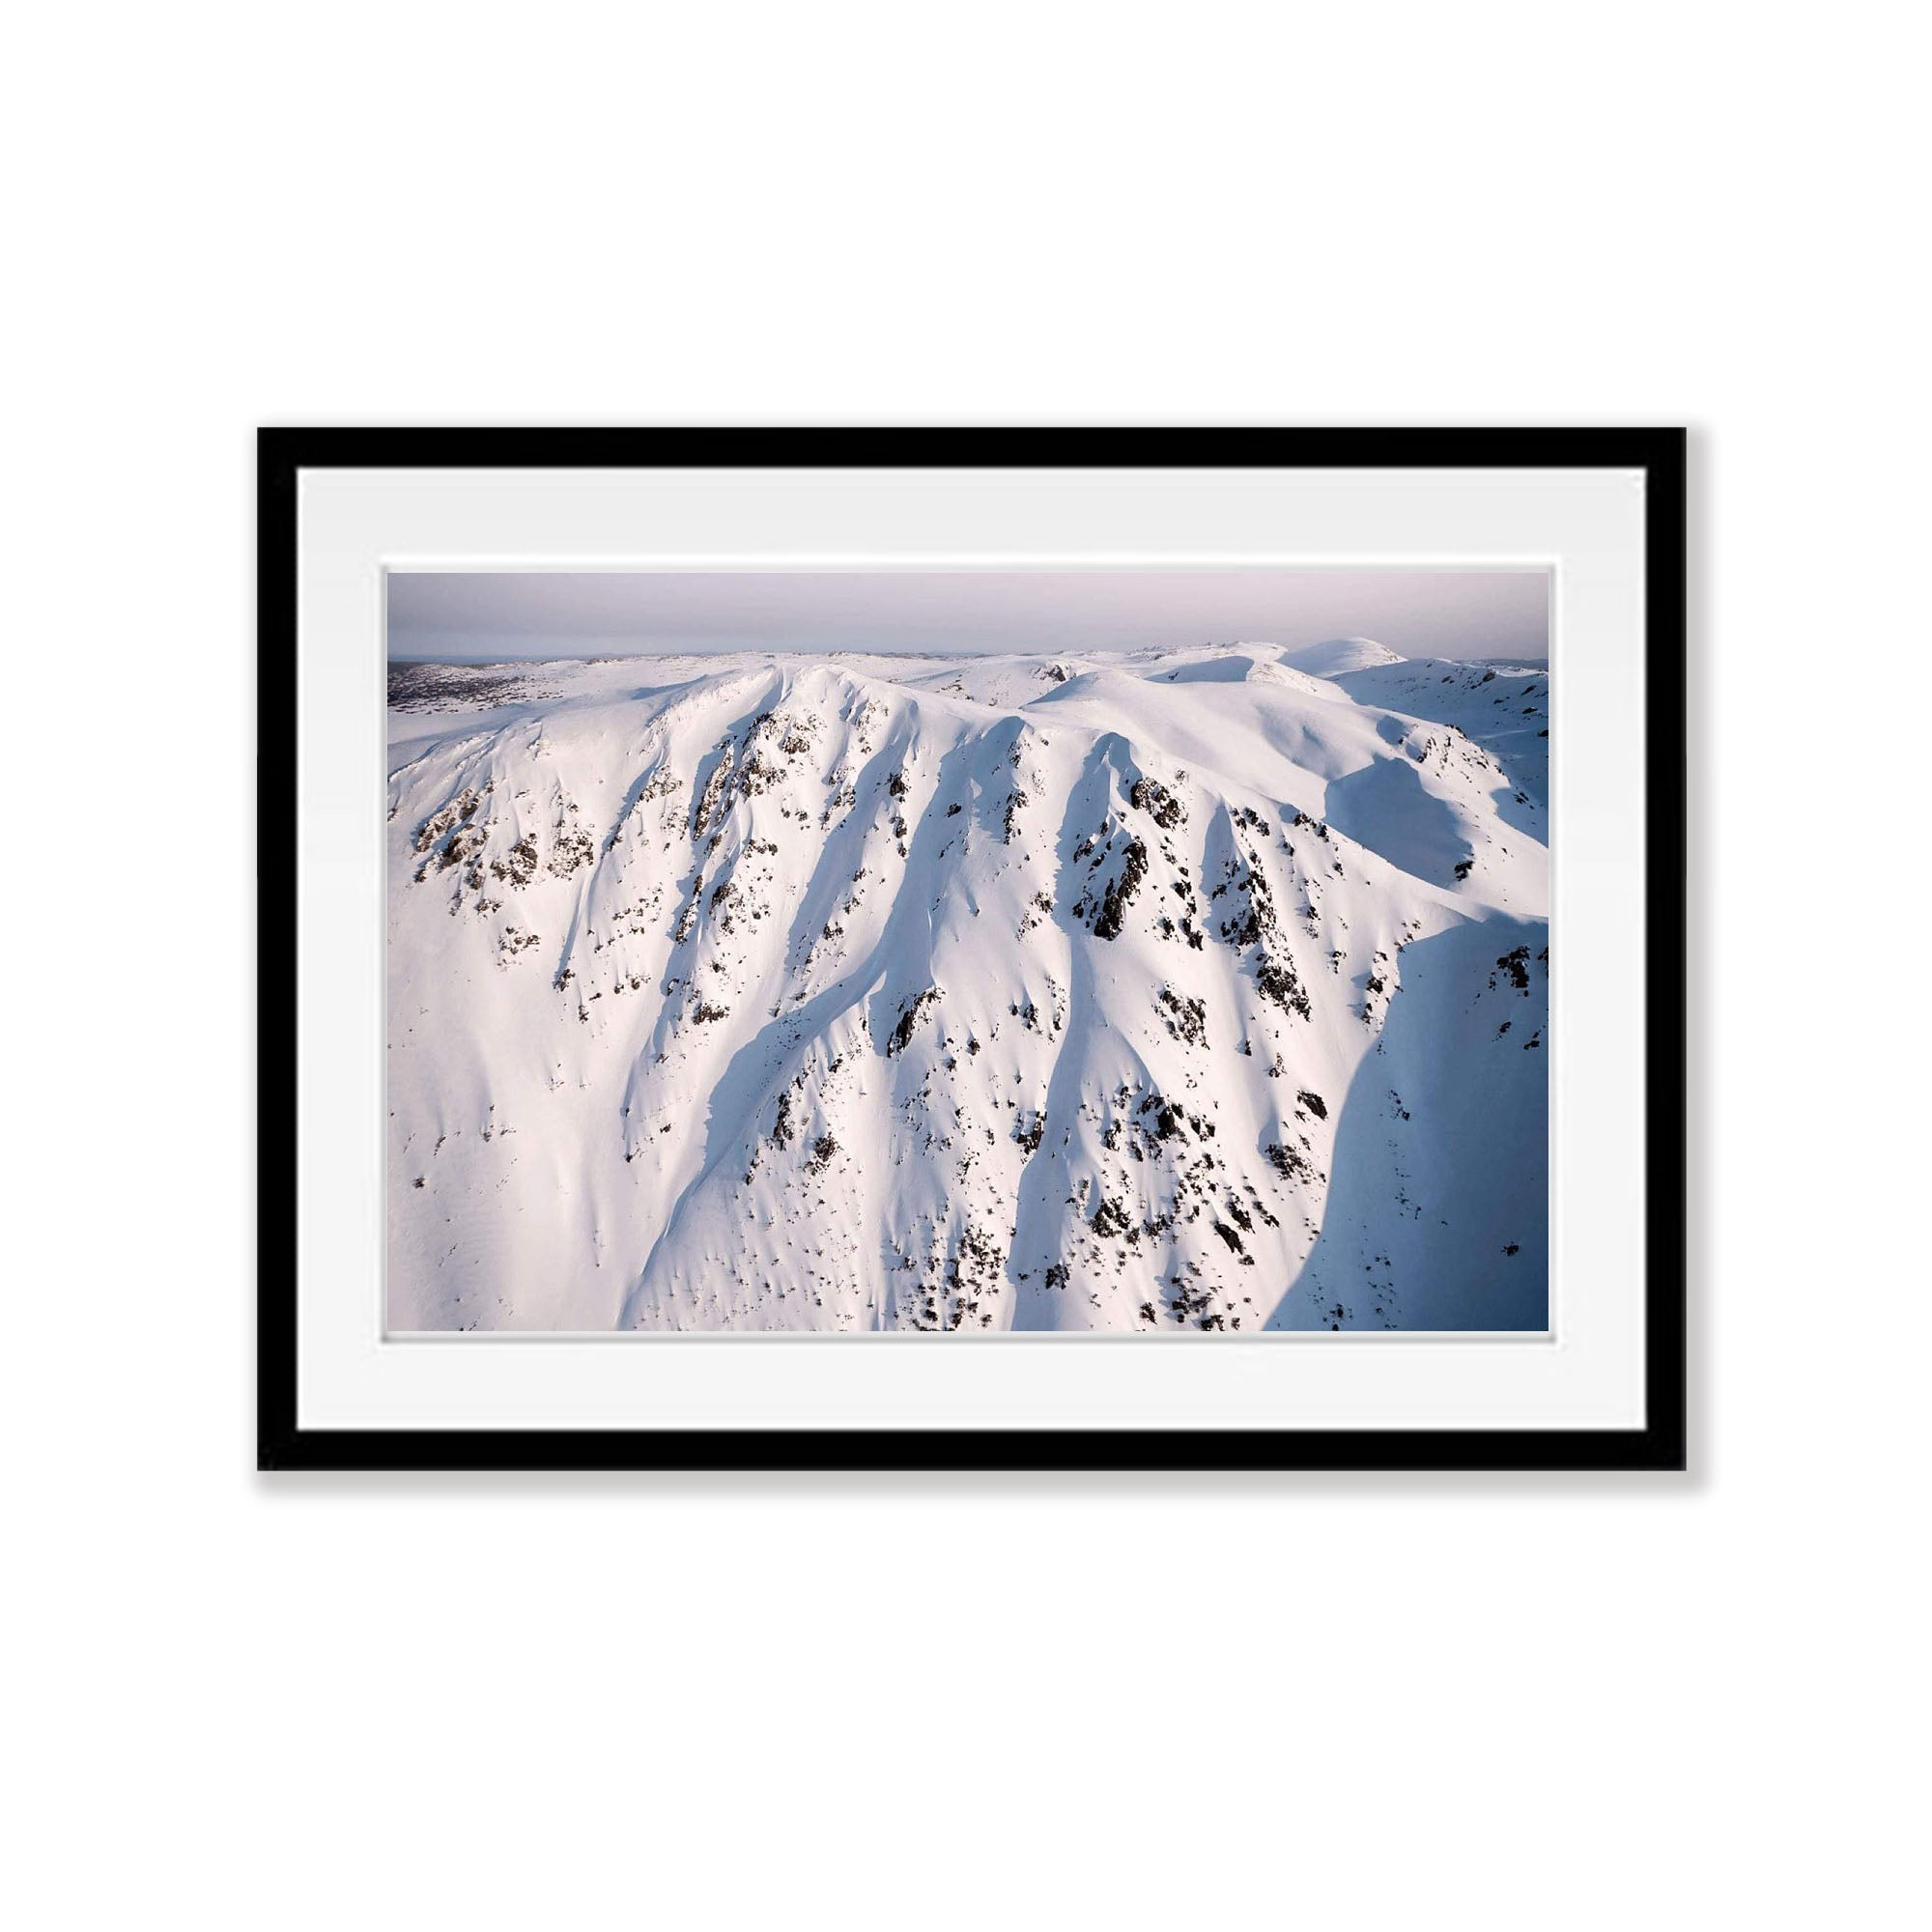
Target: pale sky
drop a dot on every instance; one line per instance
(495, 616)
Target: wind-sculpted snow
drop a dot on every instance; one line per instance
(1187, 991)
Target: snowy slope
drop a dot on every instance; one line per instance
(1187, 990)
(1503, 708)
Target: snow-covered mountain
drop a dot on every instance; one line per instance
(1196, 990)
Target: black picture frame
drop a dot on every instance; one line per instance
(1659, 1444)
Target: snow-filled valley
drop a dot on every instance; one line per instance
(1196, 991)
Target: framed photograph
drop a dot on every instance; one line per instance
(1113, 949)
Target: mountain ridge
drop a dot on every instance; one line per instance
(873, 993)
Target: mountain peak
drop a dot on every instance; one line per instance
(1334, 656)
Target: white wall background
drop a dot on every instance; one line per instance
(906, 1702)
